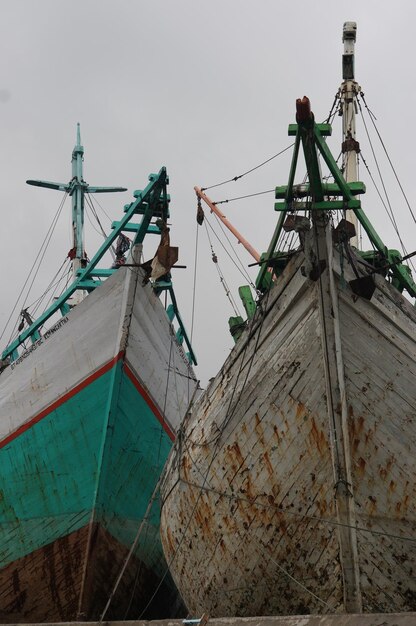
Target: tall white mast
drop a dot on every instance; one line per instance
(348, 93)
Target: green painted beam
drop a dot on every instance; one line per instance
(182, 326)
(162, 285)
(90, 284)
(262, 280)
(325, 205)
(157, 184)
(49, 185)
(311, 159)
(325, 129)
(312, 136)
(171, 312)
(330, 189)
(248, 301)
(91, 189)
(398, 271)
(133, 228)
(102, 273)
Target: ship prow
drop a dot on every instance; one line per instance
(291, 487)
(91, 396)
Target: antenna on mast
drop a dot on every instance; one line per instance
(348, 93)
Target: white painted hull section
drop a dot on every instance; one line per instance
(121, 315)
(292, 487)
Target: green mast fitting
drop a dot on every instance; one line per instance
(319, 197)
(76, 188)
(151, 202)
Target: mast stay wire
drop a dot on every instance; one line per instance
(90, 196)
(382, 200)
(142, 524)
(404, 249)
(288, 511)
(235, 178)
(333, 111)
(221, 275)
(332, 114)
(53, 285)
(387, 206)
(393, 219)
(250, 195)
(37, 262)
(101, 230)
(95, 214)
(373, 118)
(295, 580)
(241, 270)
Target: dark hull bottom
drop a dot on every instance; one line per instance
(46, 585)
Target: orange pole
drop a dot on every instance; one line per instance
(224, 220)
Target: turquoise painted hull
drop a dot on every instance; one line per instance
(75, 489)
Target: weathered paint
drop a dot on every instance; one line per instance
(252, 520)
(85, 431)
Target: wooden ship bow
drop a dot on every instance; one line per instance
(290, 488)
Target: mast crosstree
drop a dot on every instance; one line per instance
(76, 188)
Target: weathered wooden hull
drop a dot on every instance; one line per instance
(291, 488)
(87, 420)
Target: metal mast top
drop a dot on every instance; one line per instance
(77, 188)
(348, 93)
(78, 191)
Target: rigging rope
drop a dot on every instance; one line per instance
(89, 202)
(250, 195)
(221, 275)
(240, 269)
(53, 285)
(95, 214)
(294, 579)
(373, 118)
(288, 511)
(389, 210)
(131, 551)
(378, 170)
(392, 220)
(235, 178)
(38, 260)
(334, 109)
(332, 114)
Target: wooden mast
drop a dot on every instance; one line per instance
(348, 93)
(227, 224)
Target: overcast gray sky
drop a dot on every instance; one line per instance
(205, 88)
